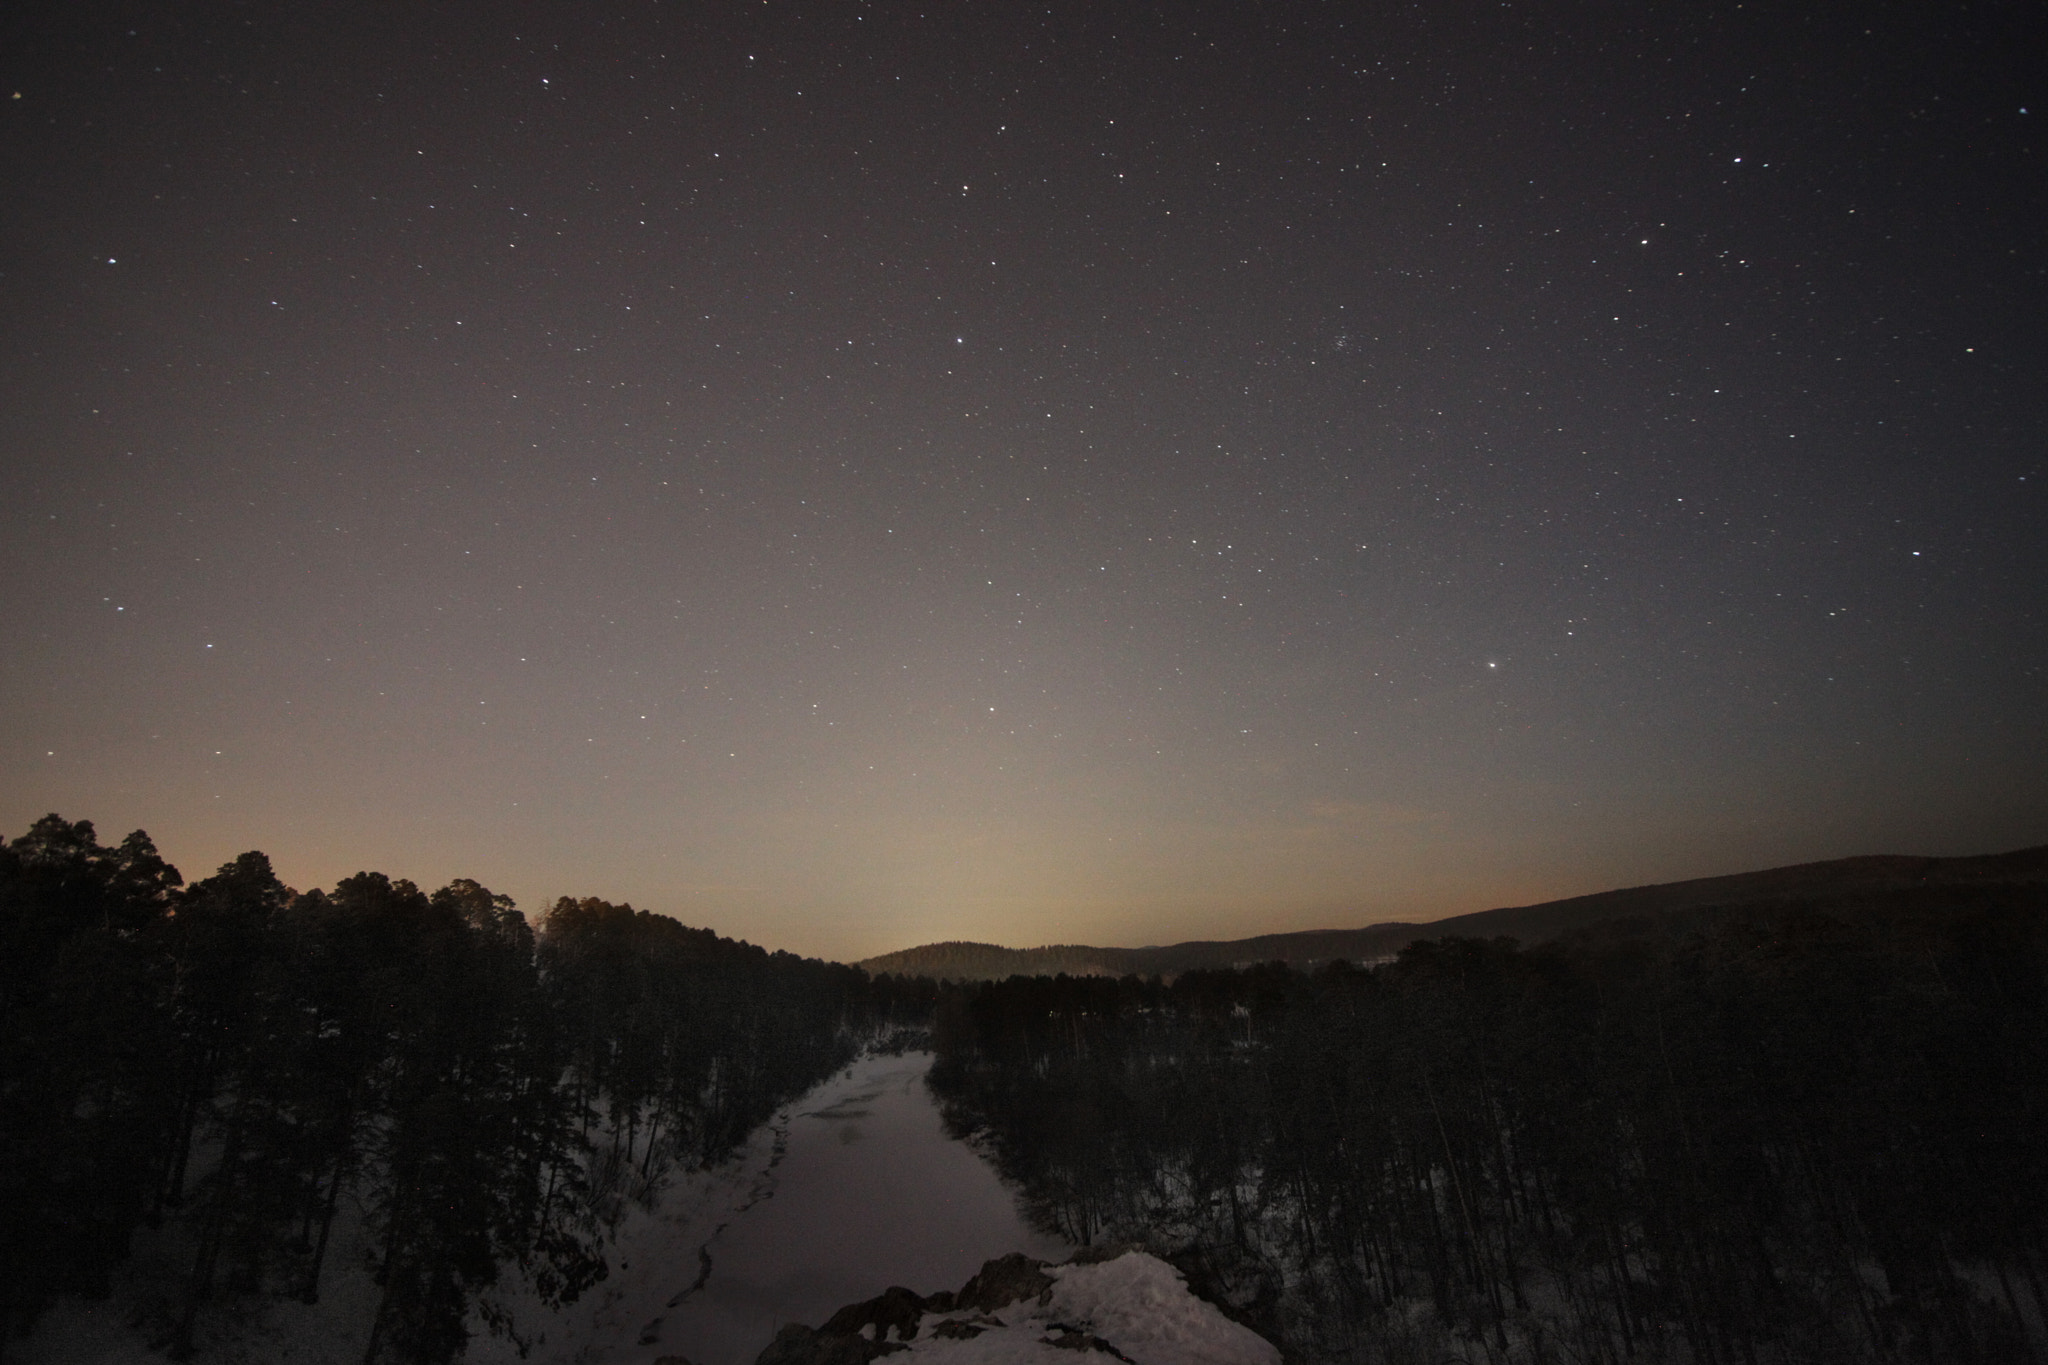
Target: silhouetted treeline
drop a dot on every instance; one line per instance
(246, 1061)
(1811, 1133)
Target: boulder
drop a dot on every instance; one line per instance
(797, 1344)
(1114, 1304)
(1006, 1280)
(860, 1332)
(896, 1307)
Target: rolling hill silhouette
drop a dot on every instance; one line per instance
(1671, 907)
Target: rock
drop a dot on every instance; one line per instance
(797, 1344)
(1006, 1280)
(1114, 1302)
(845, 1339)
(1068, 1338)
(860, 1332)
(896, 1307)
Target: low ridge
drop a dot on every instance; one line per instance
(1532, 924)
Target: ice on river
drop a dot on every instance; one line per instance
(851, 1189)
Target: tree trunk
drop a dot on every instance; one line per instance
(342, 1161)
(200, 1285)
(311, 1293)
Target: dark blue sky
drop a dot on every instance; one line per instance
(859, 475)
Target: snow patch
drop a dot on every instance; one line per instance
(1135, 1307)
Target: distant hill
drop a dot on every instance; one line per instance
(987, 962)
(1532, 924)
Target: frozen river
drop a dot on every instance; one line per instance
(851, 1189)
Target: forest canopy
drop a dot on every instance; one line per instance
(240, 1058)
(1809, 1131)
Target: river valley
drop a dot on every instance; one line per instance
(851, 1189)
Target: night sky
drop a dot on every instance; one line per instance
(855, 475)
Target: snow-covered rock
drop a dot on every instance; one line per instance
(1131, 1307)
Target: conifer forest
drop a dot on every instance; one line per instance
(243, 1059)
(1814, 1133)
(1803, 1131)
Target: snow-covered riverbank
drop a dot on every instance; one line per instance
(853, 1188)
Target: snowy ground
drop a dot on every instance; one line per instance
(1136, 1305)
(854, 1188)
(121, 1329)
(851, 1189)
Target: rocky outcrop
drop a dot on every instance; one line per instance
(797, 1344)
(1115, 1303)
(897, 1310)
(1000, 1283)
